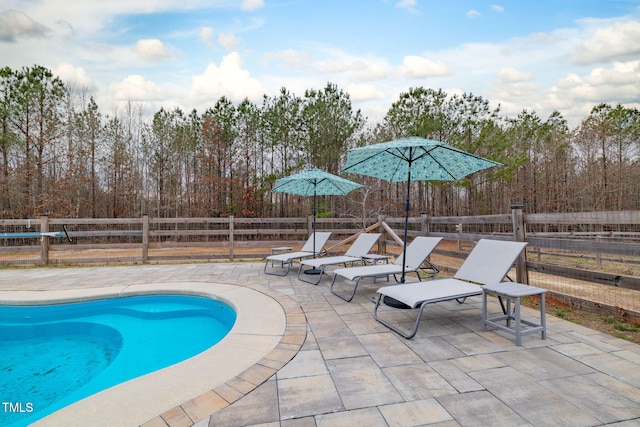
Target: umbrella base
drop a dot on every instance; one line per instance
(313, 271)
(392, 302)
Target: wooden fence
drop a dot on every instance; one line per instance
(600, 248)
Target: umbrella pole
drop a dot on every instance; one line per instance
(314, 270)
(406, 226)
(392, 302)
(314, 221)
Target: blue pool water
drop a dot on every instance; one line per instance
(54, 355)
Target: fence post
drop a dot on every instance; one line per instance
(382, 241)
(231, 246)
(44, 240)
(424, 224)
(517, 218)
(310, 225)
(145, 238)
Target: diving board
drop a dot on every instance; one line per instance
(32, 235)
(37, 235)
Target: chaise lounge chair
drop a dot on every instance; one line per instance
(286, 259)
(358, 249)
(417, 252)
(487, 264)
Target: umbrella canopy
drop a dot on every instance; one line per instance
(314, 182)
(413, 158)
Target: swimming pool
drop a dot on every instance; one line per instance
(54, 355)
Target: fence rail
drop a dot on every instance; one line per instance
(594, 248)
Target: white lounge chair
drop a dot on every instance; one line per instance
(286, 259)
(487, 264)
(417, 252)
(358, 249)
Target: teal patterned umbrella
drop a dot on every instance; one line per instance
(413, 158)
(314, 182)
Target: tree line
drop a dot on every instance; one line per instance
(63, 156)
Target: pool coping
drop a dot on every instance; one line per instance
(269, 331)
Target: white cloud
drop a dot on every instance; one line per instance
(620, 74)
(358, 68)
(419, 67)
(541, 71)
(370, 69)
(15, 25)
(136, 88)
(252, 4)
(74, 75)
(573, 95)
(618, 83)
(152, 50)
(288, 58)
(333, 64)
(409, 5)
(511, 75)
(228, 41)
(89, 17)
(206, 35)
(229, 79)
(616, 42)
(517, 95)
(472, 13)
(364, 92)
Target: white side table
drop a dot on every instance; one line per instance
(373, 259)
(512, 291)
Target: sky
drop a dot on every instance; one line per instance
(540, 56)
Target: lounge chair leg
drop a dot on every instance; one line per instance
(301, 273)
(395, 277)
(434, 270)
(284, 271)
(392, 327)
(428, 274)
(347, 299)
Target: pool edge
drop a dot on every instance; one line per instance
(220, 394)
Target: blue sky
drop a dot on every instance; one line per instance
(545, 55)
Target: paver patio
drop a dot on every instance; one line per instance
(351, 371)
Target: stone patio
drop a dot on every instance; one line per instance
(352, 371)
